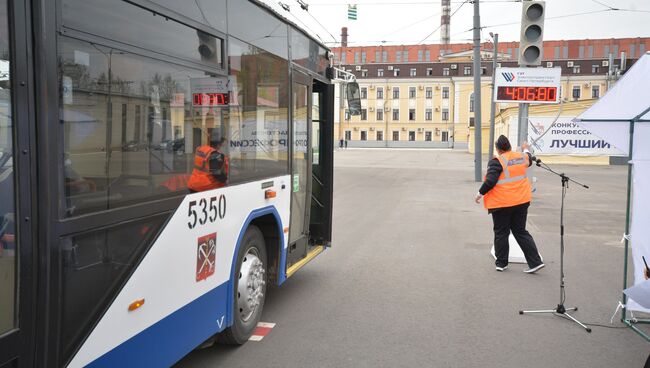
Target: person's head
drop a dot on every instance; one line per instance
(502, 144)
(216, 140)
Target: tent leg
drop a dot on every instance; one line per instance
(627, 221)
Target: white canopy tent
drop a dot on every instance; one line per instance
(622, 117)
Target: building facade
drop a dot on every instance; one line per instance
(411, 103)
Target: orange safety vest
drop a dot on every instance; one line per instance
(513, 187)
(202, 178)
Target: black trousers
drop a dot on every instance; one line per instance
(513, 219)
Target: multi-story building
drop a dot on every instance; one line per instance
(409, 101)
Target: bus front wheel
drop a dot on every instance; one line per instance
(249, 287)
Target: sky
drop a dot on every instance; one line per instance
(394, 22)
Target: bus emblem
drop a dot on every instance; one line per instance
(206, 255)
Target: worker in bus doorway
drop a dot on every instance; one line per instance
(211, 166)
(506, 195)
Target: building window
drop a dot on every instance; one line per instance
(380, 72)
(556, 52)
(445, 114)
(445, 71)
(396, 135)
(398, 56)
(576, 92)
(427, 55)
(413, 72)
(396, 72)
(412, 114)
(606, 51)
(380, 93)
(445, 92)
(395, 93)
(396, 114)
(377, 57)
(406, 56)
(364, 73)
(581, 52)
(347, 114)
(428, 92)
(445, 136)
(632, 51)
(428, 114)
(427, 136)
(420, 55)
(471, 122)
(590, 51)
(411, 92)
(615, 50)
(429, 72)
(348, 135)
(576, 69)
(509, 51)
(467, 70)
(364, 135)
(411, 135)
(364, 114)
(594, 69)
(356, 57)
(380, 114)
(343, 57)
(363, 57)
(471, 103)
(595, 91)
(384, 56)
(364, 92)
(380, 135)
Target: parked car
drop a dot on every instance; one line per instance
(134, 146)
(162, 145)
(176, 145)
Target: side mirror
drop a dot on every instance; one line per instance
(354, 98)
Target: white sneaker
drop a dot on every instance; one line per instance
(501, 269)
(535, 269)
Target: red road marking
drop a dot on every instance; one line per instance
(262, 329)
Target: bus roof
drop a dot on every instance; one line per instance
(279, 12)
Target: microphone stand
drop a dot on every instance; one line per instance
(560, 310)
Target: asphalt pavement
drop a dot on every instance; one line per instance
(409, 280)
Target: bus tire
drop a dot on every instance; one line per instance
(249, 287)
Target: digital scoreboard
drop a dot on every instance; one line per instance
(210, 92)
(527, 94)
(210, 99)
(529, 85)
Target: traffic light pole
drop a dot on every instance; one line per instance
(492, 103)
(477, 93)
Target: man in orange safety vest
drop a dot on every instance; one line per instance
(211, 166)
(506, 195)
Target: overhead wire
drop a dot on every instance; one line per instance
(316, 20)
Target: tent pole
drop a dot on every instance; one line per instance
(627, 218)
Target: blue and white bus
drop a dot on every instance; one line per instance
(109, 111)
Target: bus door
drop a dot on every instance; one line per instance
(300, 167)
(16, 264)
(322, 148)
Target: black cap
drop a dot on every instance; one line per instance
(503, 144)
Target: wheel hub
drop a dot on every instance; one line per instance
(252, 285)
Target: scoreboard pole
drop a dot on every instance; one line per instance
(522, 131)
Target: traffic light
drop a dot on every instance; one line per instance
(531, 50)
(208, 47)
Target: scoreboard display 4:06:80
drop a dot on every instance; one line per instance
(527, 94)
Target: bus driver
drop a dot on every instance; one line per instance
(211, 166)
